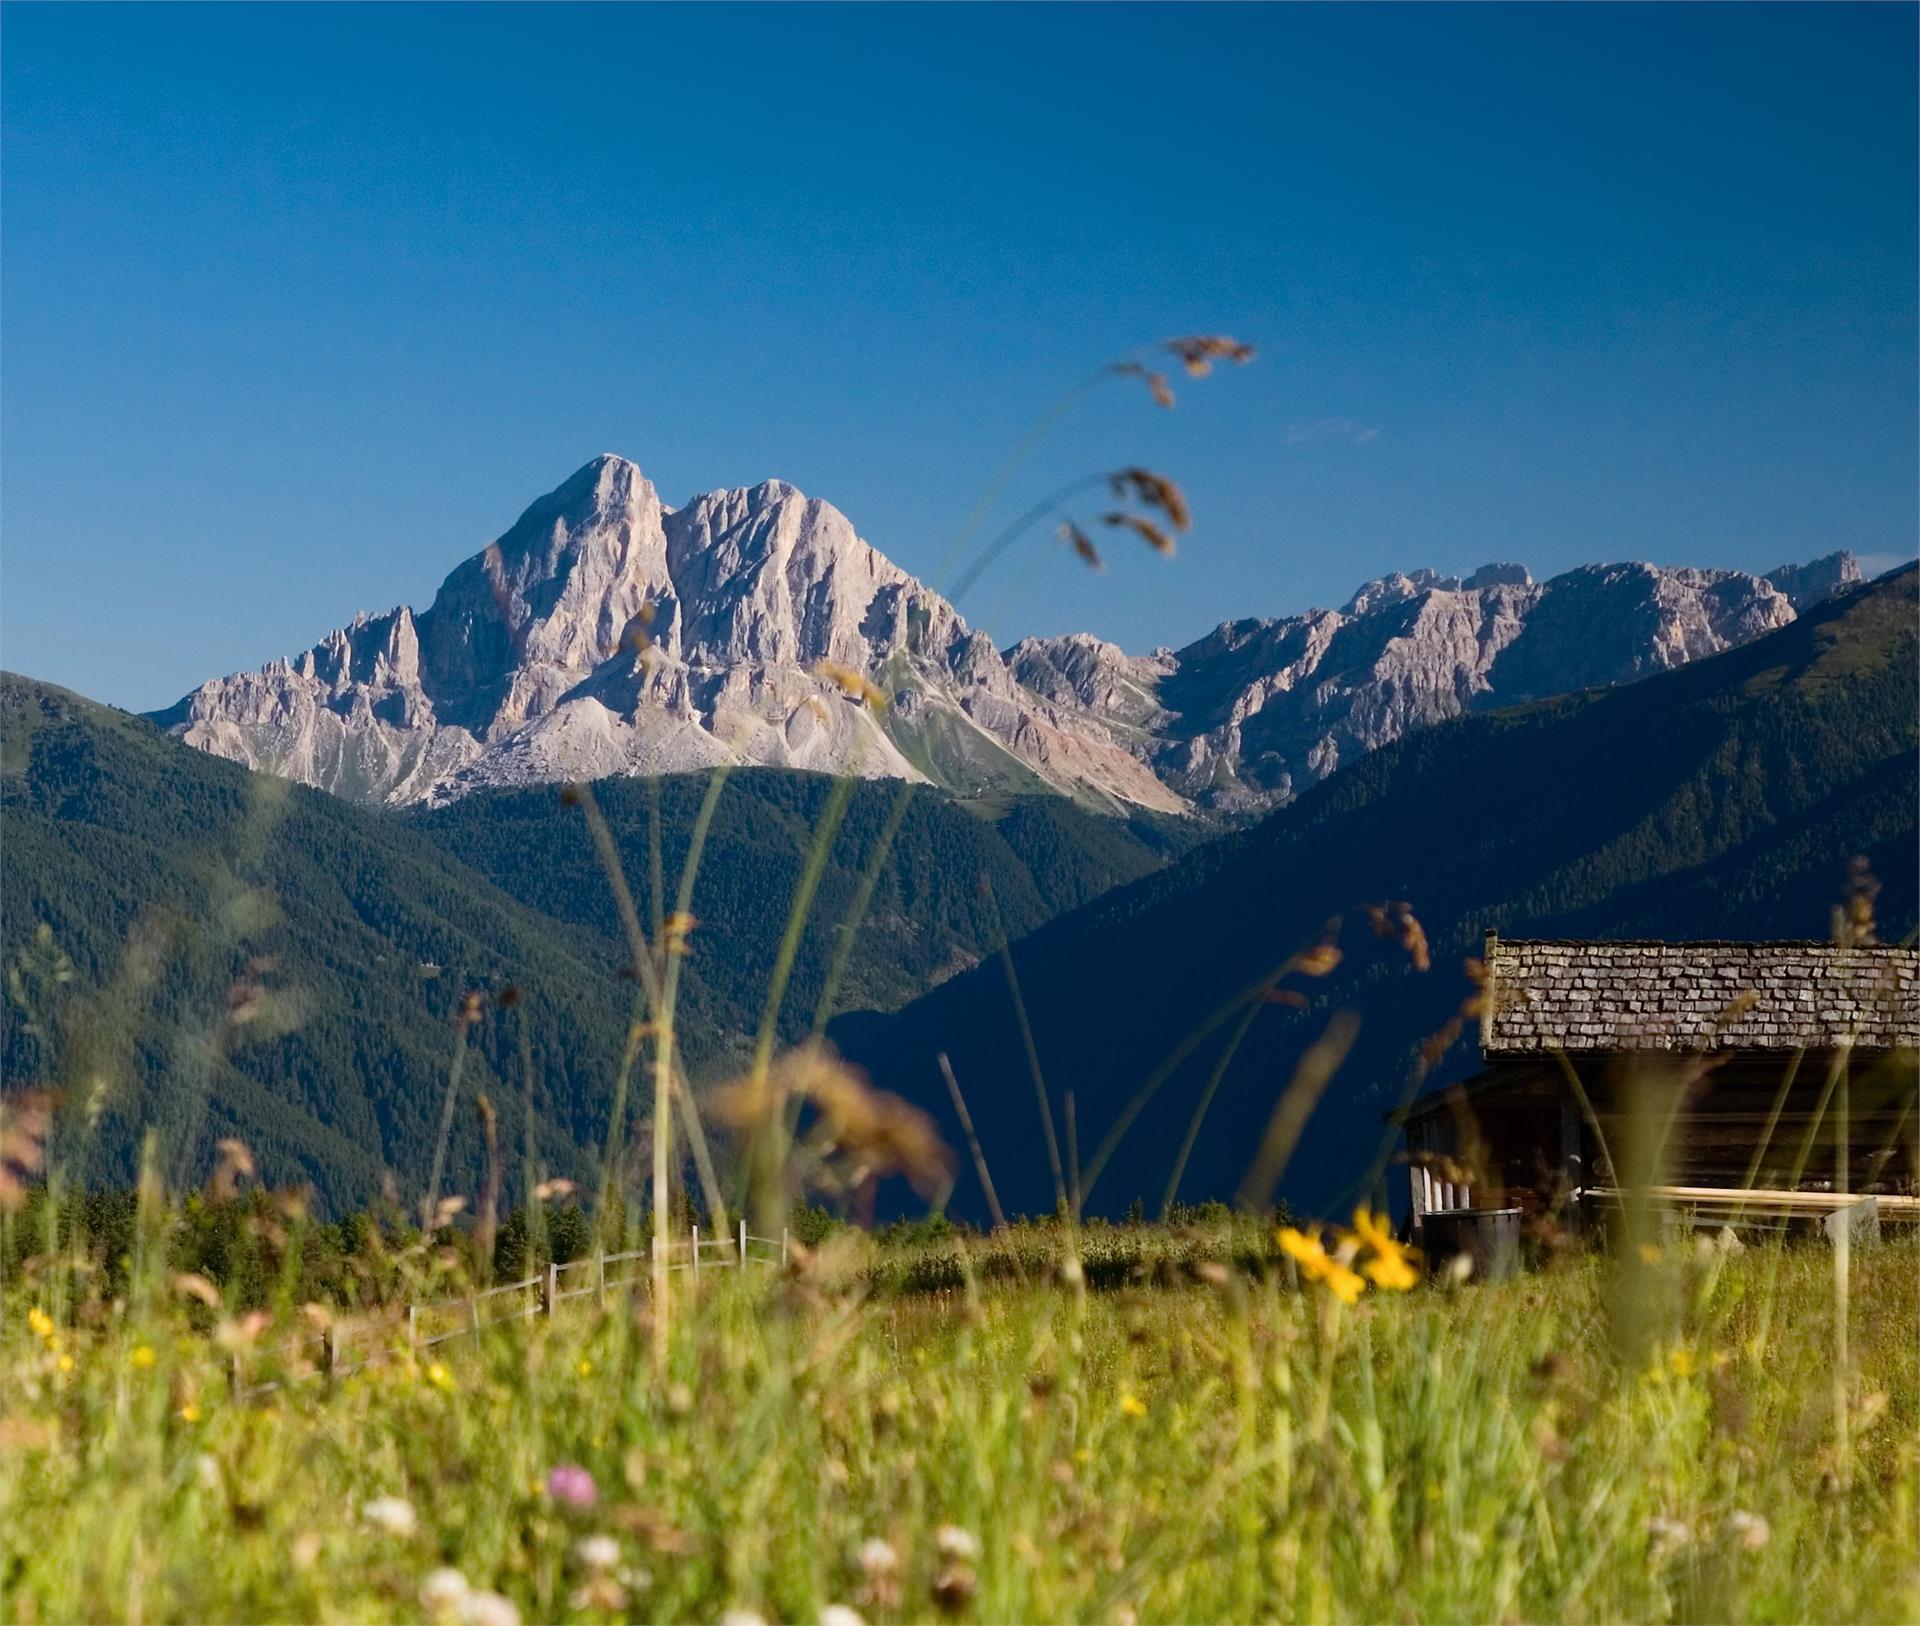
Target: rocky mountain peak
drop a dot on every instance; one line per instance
(605, 633)
(1399, 586)
(1807, 585)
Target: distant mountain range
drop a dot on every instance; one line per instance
(1726, 799)
(607, 634)
(1470, 745)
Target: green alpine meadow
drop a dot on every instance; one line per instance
(902, 815)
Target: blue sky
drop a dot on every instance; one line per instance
(302, 306)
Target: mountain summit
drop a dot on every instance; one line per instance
(606, 633)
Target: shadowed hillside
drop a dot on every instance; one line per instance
(148, 888)
(1725, 799)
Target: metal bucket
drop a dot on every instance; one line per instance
(1490, 1237)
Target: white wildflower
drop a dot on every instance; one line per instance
(1668, 1535)
(598, 1552)
(877, 1556)
(443, 1592)
(488, 1609)
(953, 1542)
(838, 1614)
(1751, 1530)
(742, 1617)
(393, 1514)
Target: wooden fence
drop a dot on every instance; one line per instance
(440, 1321)
(1754, 1208)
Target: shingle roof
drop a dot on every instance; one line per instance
(1682, 996)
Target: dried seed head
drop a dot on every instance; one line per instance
(1154, 491)
(1413, 936)
(1082, 544)
(1198, 352)
(1145, 529)
(235, 1164)
(1156, 383)
(196, 1286)
(1318, 960)
(854, 685)
(875, 1130)
(26, 1120)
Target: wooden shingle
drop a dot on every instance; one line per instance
(1576, 995)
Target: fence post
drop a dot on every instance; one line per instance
(1857, 1219)
(743, 1244)
(331, 1346)
(553, 1286)
(473, 1314)
(696, 1250)
(600, 1276)
(783, 1247)
(413, 1329)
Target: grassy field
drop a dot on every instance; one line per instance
(1208, 1442)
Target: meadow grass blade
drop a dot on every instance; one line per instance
(1227, 1052)
(1032, 1052)
(1314, 1071)
(973, 1143)
(431, 1201)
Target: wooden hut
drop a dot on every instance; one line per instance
(1784, 1072)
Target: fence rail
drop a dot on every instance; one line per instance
(430, 1323)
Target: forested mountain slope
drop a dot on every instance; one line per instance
(169, 883)
(1723, 799)
(951, 882)
(175, 883)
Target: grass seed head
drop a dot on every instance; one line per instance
(1082, 545)
(1156, 383)
(1153, 491)
(1198, 352)
(854, 685)
(26, 1120)
(1145, 529)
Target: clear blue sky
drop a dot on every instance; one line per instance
(302, 306)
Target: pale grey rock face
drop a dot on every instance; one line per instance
(606, 634)
(1807, 585)
(1257, 711)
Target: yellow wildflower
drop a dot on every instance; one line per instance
(1393, 1266)
(1318, 1265)
(1681, 1360)
(143, 1356)
(439, 1376)
(65, 1363)
(189, 1413)
(1305, 1250)
(586, 1369)
(1133, 1406)
(40, 1321)
(1342, 1283)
